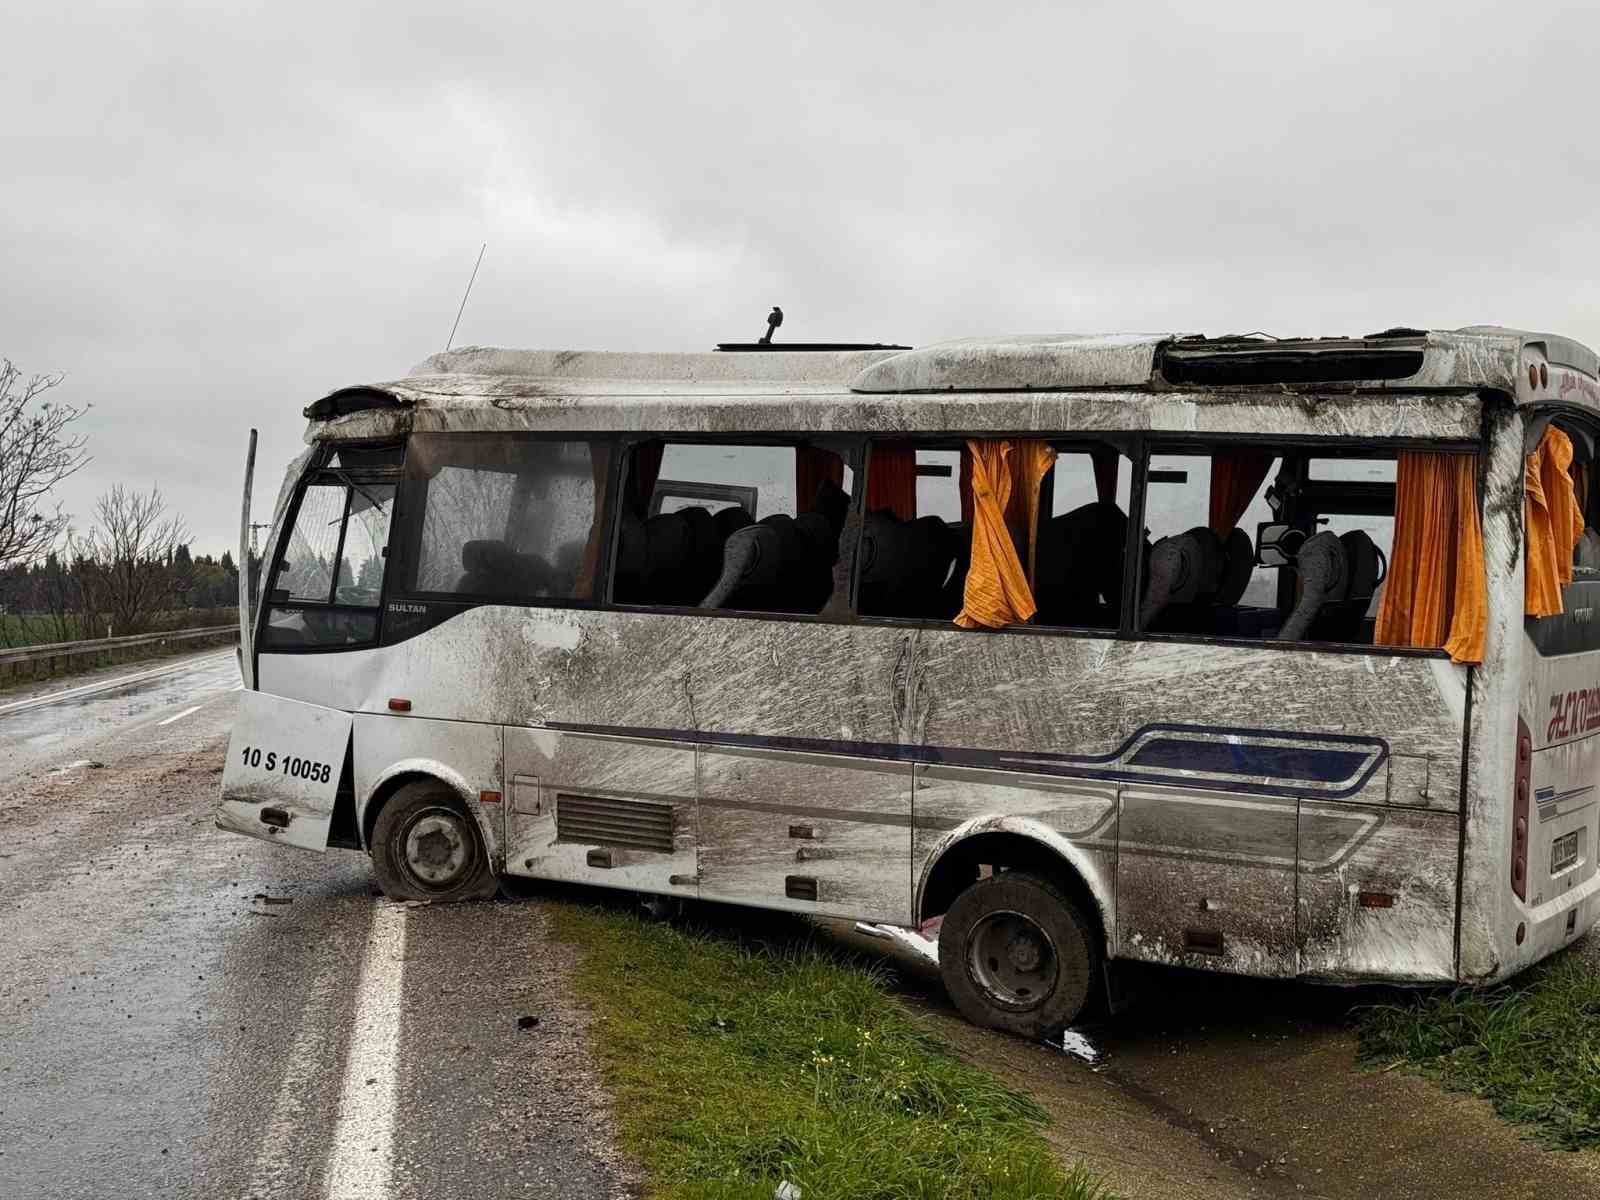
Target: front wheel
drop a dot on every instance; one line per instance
(1018, 954)
(426, 846)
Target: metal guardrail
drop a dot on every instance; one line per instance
(24, 654)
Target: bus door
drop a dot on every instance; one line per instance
(593, 808)
(1562, 703)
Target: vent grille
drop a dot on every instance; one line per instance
(604, 821)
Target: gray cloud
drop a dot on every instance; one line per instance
(212, 218)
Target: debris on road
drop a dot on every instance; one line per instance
(1078, 1045)
(527, 1022)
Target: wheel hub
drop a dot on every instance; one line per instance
(437, 848)
(1013, 960)
(1025, 952)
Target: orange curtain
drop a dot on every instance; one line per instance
(1552, 523)
(892, 479)
(1236, 476)
(997, 589)
(1030, 460)
(1436, 593)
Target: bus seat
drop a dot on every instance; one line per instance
(489, 568)
(905, 566)
(495, 569)
(831, 502)
(1345, 619)
(1366, 565)
(1184, 569)
(729, 521)
(670, 558)
(779, 564)
(704, 552)
(1324, 578)
(1238, 562)
(1079, 577)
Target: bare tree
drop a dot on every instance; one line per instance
(37, 451)
(131, 557)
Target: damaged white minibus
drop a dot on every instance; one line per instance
(1269, 657)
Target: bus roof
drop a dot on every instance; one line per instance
(872, 389)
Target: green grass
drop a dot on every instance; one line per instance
(736, 1066)
(1532, 1050)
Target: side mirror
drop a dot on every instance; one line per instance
(1277, 545)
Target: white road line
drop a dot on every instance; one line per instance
(363, 1137)
(179, 716)
(280, 1167)
(107, 685)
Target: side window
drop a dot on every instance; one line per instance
(330, 577)
(1344, 490)
(1083, 537)
(916, 540)
(731, 526)
(1187, 497)
(1259, 542)
(506, 518)
(916, 545)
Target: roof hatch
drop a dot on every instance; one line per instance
(1224, 361)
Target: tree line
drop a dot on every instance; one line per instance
(129, 571)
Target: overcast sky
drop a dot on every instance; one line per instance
(210, 220)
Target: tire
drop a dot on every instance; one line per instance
(426, 846)
(1019, 955)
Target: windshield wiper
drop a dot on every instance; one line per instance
(347, 481)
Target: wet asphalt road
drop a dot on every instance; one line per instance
(190, 1013)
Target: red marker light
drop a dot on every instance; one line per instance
(1544, 375)
(1533, 375)
(488, 797)
(1375, 899)
(398, 705)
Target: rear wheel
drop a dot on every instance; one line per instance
(1018, 954)
(426, 846)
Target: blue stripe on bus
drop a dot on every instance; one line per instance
(1112, 767)
(1244, 758)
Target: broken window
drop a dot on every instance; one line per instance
(916, 539)
(731, 526)
(505, 518)
(1082, 539)
(1068, 530)
(1266, 542)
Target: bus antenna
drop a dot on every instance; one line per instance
(451, 339)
